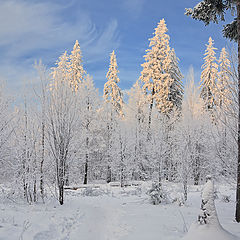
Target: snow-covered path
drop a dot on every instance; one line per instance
(100, 218)
(117, 216)
(103, 220)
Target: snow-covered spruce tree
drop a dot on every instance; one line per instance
(176, 89)
(213, 11)
(161, 82)
(223, 84)
(160, 77)
(155, 193)
(208, 78)
(62, 121)
(76, 71)
(208, 214)
(60, 74)
(208, 226)
(224, 102)
(113, 105)
(112, 92)
(227, 131)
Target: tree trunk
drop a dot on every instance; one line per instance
(196, 167)
(86, 170)
(66, 175)
(61, 181)
(122, 177)
(159, 174)
(237, 214)
(150, 116)
(87, 154)
(35, 175)
(185, 188)
(109, 170)
(42, 160)
(60, 199)
(196, 178)
(35, 190)
(109, 174)
(122, 165)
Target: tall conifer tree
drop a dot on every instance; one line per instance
(76, 71)
(112, 92)
(161, 77)
(209, 76)
(223, 81)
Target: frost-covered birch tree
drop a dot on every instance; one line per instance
(6, 130)
(136, 119)
(91, 138)
(192, 137)
(62, 115)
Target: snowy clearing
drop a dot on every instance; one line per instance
(112, 213)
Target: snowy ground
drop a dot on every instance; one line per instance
(113, 214)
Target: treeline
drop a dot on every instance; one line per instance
(72, 135)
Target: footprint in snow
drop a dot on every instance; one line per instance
(46, 235)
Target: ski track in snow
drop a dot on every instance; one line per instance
(95, 220)
(103, 222)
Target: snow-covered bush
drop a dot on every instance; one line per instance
(156, 193)
(208, 212)
(208, 227)
(179, 200)
(226, 198)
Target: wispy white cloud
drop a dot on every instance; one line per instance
(106, 41)
(30, 30)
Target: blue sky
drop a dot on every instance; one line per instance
(43, 29)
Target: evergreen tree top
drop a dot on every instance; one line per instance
(209, 76)
(113, 69)
(112, 92)
(209, 53)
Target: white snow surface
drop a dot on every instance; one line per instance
(212, 229)
(114, 213)
(206, 232)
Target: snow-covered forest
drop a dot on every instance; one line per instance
(67, 143)
(65, 133)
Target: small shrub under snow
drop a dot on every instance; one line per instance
(156, 193)
(208, 227)
(226, 198)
